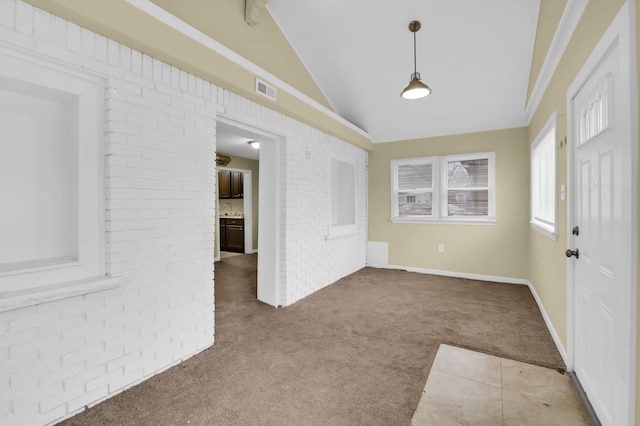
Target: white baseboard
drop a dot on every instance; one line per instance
(552, 330)
(478, 277)
(506, 280)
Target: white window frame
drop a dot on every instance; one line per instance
(546, 140)
(439, 213)
(29, 283)
(395, 191)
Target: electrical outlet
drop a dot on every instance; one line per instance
(440, 248)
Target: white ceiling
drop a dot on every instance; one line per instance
(234, 141)
(475, 55)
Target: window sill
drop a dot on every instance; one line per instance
(342, 231)
(545, 230)
(10, 300)
(451, 221)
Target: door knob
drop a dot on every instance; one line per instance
(570, 253)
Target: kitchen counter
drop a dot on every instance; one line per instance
(231, 216)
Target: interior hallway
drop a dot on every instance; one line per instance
(356, 352)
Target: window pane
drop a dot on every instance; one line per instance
(415, 204)
(468, 203)
(543, 196)
(415, 176)
(468, 173)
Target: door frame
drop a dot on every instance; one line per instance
(622, 31)
(271, 176)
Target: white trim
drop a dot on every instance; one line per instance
(544, 230)
(247, 182)
(439, 189)
(633, 84)
(179, 25)
(19, 299)
(489, 278)
(270, 288)
(484, 221)
(341, 231)
(550, 327)
(567, 25)
(478, 277)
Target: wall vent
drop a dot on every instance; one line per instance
(266, 90)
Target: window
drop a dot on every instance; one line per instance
(455, 188)
(543, 180)
(51, 223)
(343, 197)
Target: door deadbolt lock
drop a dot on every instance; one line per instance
(570, 253)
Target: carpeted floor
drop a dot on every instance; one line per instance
(355, 353)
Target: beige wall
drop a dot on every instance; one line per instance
(495, 250)
(263, 44)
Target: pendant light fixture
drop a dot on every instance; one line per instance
(416, 88)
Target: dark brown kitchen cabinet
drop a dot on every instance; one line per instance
(232, 235)
(224, 184)
(237, 185)
(230, 184)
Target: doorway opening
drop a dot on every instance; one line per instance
(252, 201)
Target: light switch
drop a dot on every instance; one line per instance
(563, 194)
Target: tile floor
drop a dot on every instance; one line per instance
(471, 388)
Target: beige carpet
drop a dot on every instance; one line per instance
(227, 254)
(355, 353)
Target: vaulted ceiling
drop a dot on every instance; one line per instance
(475, 55)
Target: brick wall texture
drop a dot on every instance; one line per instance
(59, 357)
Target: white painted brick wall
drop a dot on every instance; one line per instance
(59, 357)
(312, 260)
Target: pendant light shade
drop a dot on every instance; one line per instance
(416, 88)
